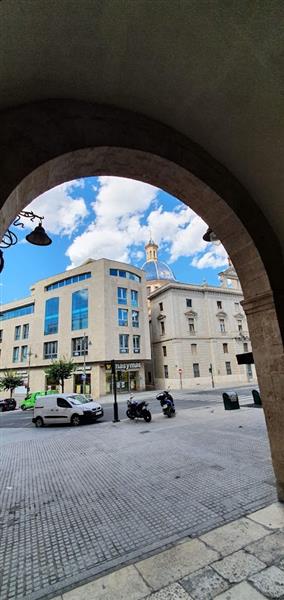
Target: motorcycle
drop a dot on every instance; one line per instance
(167, 403)
(138, 410)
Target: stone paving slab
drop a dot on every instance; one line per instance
(234, 536)
(171, 592)
(205, 584)
(180, 560)
(270, 549)
(238, 566)
(122, 584)
(272, 516)
(242, 591)
(269, 582)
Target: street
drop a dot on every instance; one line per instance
(183, 399)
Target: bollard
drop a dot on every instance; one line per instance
(256, 398)
(231, 401)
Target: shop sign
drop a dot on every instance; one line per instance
(124, 366)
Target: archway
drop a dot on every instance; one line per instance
(47, 143)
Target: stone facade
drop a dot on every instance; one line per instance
(97, 339)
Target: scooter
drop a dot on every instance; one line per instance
(138, 410)
(167, 403)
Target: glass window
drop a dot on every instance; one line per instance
(16, 354)
(124, 343)
(222, 326)
(24, 353)
(136, 344)
(26, 329)
(196, 372)
(191, 325)
(188, 302)
(125, 274)
(17, 332)
(135, 318)
(164, 350)
(123, 317)
(240, 326)
(51, 316)
(237, 306)
(122, 273)
(134, 298)
(80, 310)
(161, 306)
(228, 368)
(1, 335)
(249, 370)
(80, 346)
(219, 304)
(50, 349)
(121, 295)
(162, 327)
(193, 348)
(67, 281)
(225, 348)
(148, 290)
(113, 272)
(245, 347)
(17, 312)
(166, 372)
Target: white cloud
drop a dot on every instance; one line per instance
(216, 256)
(62, 213)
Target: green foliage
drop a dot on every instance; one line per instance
(10, 380)
(59, 370)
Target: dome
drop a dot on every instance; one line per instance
(156, 269)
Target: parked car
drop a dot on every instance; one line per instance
(7, 404)
(65, 408)
(29, 401)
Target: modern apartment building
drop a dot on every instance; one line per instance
(93, 314)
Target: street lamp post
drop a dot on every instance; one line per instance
(84, 364)
(29, 366)
(211, 372)
(115, 407)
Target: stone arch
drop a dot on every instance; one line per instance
(50, 142)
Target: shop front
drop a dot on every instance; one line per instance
(82, 380)
(128, 377)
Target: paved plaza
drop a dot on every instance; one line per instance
(77, 503)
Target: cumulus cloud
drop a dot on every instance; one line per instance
(215, 257)
(62, 213)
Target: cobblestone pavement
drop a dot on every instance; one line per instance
(78, 502)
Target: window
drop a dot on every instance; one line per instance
(166, 372)
(148, 290)
(136, 344)
(240, 326)
(17, 312)
(161, 307)
(125, 274)
(62, 403)
(67, 281)
(222, 326)
(24, 353)
(51, 316)
(196, 372)
(191, 326)
(1, 335)
(123, 317)
(245, 347)
(249, 371)
(80, 310)
(219, 304)
(16, 354)
(26, 329)
(188, 302)
(17, 332)
(50, 349)
(228, 368)
(124, 343)
(225, 348)
(162, 327)
(193, 348)
(135, 318)
(121, 295)
(237, 306)
(80, 346)
(134, 298)
(164, 350)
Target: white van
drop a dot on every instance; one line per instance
(65, 408)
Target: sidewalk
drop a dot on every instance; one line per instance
(243, 560)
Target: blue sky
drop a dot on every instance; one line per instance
(110, 217)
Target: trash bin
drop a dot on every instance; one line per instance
(231, 401)
(256, 398)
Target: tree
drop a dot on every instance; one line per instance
(59, 370)
(9, 381)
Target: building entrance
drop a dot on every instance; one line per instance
(79, 387)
